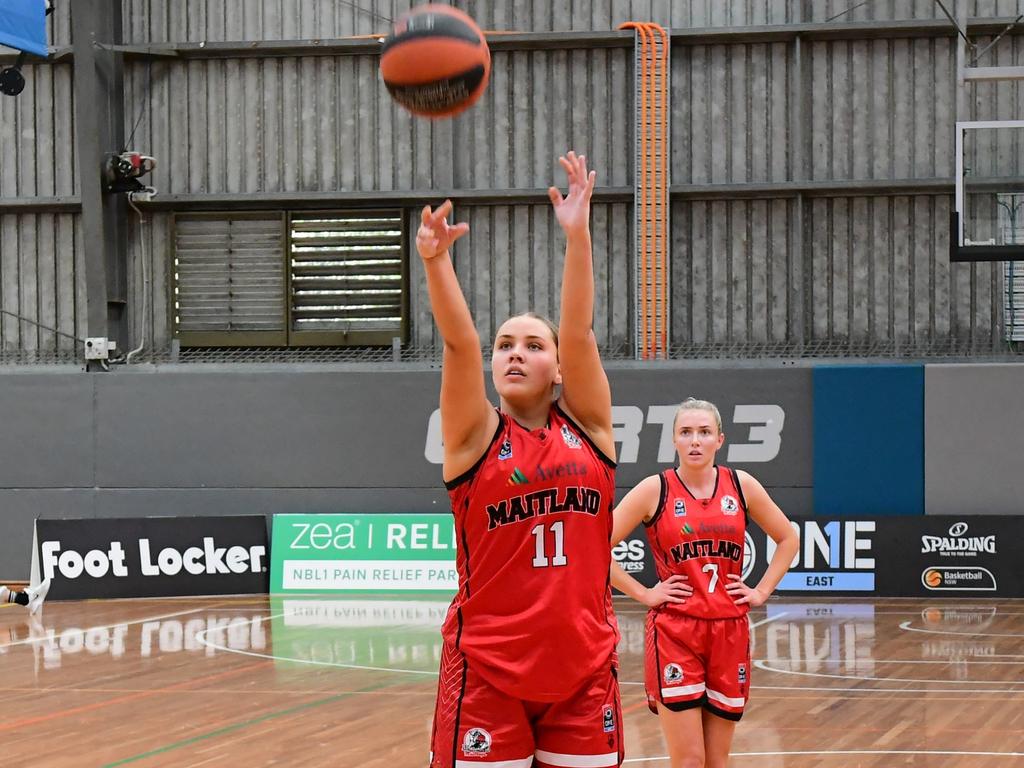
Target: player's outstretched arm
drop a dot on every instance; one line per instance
(585, 391)
(773, 521)
(467, 418)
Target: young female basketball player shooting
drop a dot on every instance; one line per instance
(528, 662)
(697, 669)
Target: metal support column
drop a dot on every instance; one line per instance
(99, 123)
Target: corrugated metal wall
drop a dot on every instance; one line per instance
(881, 109)
(40, 265)
(37, 156)
(736, 278)
(511, 262)
(321, 124)
(783, 267)
(41, 278)
(219, 20)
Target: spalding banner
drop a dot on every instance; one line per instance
(151, 556)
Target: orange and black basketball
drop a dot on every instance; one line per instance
(436, 61)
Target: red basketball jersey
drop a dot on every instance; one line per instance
(533, 524)
(701, 539)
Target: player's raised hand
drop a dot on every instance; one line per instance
(436, 235)
(573, 210)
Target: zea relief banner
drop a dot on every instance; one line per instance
(363, 553)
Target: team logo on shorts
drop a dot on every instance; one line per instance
(673, 673)
(570, 439)
(741, 673)
(729, 505)
(477, 743)
(505, 452)
(608, 715)
(680, 508)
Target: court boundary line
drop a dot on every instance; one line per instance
(837, 752)
(985, 660)
(905, 626)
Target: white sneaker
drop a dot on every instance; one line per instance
(36, 596)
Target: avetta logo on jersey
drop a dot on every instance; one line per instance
(832, 556)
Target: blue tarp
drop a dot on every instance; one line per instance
(23, 25)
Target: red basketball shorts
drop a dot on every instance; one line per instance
(694, 662)
(476, 724)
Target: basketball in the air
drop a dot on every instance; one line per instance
(436, 61)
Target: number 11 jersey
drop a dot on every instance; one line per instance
(533, 527)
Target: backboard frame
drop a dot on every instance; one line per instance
(958, 251)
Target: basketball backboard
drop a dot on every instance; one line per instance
(988, 213)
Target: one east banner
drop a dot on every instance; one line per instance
(919, 556)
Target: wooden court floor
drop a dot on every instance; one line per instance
(257, 681)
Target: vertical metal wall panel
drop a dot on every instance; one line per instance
(511, 140)
(580, 15)
(882, 108)
(160, 21)
(846, 11)
(150, 256)
(37, 135)
(281, 125)
(58, 26)
(511, 261)
(731, 277)
(326, 124)
(879, 273)
(730, 123)
(38, 274)
(1002, 99)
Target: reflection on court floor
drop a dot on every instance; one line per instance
(350, 681)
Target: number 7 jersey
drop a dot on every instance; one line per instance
(701, 539)
(533, 528)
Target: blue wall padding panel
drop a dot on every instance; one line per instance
(869, 440)
(23, 25)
